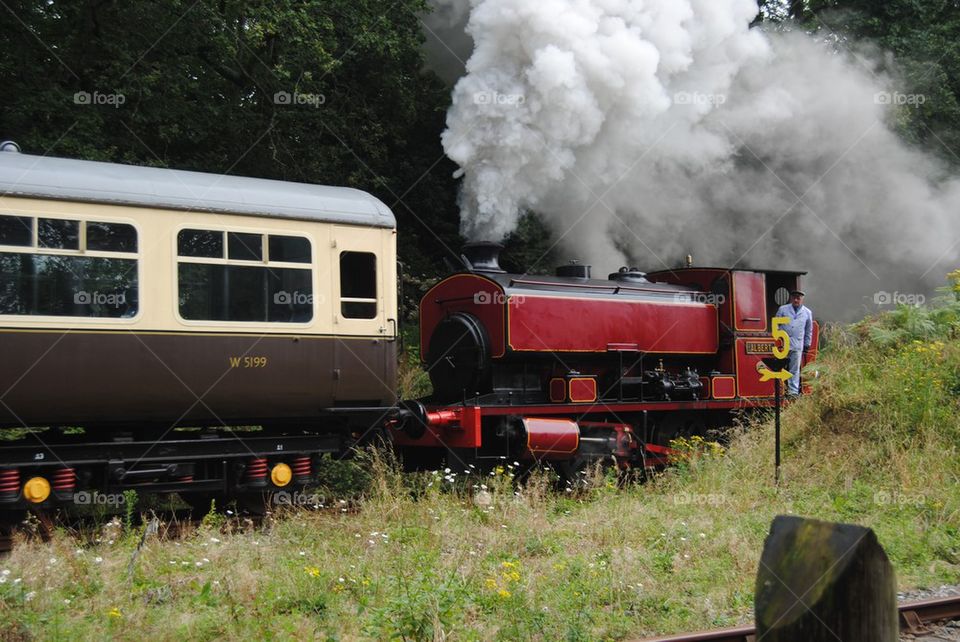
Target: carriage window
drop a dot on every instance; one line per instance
(244, 247)
(200, 243)
(289, 249)
(58, 234)
(217, 292)
(76, 286)
(16, 230)
(111, 237)
(358, 285)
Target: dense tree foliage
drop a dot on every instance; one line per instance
(329, 92)
(923, 40)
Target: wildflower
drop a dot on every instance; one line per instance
(504, 593)
(3, 579)
(29, 596)
(97, 559)
(67, 602)
(312, 571)
(491, 583)
(115, 612)
(5, 571)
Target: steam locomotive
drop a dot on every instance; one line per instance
(220, 337)
(571, 368)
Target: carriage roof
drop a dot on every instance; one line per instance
(25, 175)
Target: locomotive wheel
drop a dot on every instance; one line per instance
(459, 357)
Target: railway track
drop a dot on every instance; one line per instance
(915, 618)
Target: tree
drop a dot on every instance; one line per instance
(924, 38)
(329, 92)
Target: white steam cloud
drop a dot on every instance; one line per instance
(646, 130)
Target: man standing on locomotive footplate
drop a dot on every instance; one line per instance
(800, 331)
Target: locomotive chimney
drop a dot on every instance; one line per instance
(482, 256)
(573, 270)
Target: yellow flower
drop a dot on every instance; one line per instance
(504, 593)
(115, 612)
(491, 583)
(509, 565)
(512, 576)
(312, 571)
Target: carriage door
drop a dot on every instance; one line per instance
(359, 316)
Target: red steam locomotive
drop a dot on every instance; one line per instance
(568, 368)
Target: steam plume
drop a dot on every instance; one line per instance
(644, 131)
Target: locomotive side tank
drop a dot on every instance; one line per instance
(487, 330)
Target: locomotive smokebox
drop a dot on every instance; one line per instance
(483, 256)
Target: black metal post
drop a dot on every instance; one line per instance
(776, 428)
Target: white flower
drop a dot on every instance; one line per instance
(29, 596)
(446, 470)
(5, 571)
(53, 560)
(198, 563)
(66, 601)
(3, 579)
(302, 553)
(97, 559)
(214, 540)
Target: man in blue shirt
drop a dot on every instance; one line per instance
(800, 331)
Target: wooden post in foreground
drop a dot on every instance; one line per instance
(822, 581)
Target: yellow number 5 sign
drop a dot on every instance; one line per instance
(782, 348)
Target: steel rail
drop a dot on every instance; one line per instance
(913, 616)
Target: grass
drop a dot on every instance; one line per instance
(444, 556)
